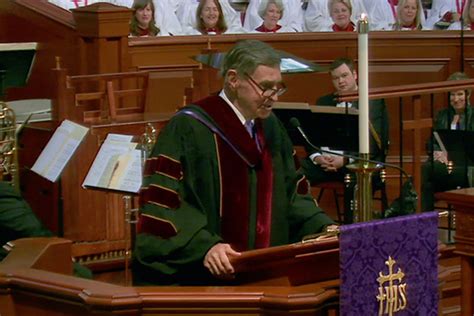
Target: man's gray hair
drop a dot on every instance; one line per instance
(262, 9)
(247, 55)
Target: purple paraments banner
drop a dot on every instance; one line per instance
(389, 267)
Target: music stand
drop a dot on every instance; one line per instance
(326, 126)
(459, 145)
(289, 63)
(16, 62)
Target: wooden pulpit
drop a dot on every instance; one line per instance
(35, 279)
(289, 265)
(463, 202)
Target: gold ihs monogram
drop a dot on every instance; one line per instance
(392, 296)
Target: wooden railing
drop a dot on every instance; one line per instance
(420, 112)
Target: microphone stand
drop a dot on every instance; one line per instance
(462, 40)
(370, 165)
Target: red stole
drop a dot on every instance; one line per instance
(411, 27)
(143, 32)
(460, 6)
(76, 3)
(393, 3)
(235, 177)
(212, 30)
(263, 29)
(472, 26)
(349, 28)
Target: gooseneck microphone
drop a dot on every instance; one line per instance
(296, 124)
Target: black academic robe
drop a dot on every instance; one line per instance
(204, 187)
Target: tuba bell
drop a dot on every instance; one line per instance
(9, 171)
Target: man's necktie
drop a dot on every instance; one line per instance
(249, 127)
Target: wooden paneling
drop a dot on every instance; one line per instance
(463, 201)
(95, 41)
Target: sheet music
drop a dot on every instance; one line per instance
(290, 64)
(59, 150)
(117, 165)
(440, 142)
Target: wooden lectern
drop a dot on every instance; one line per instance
(463, 202)
(289, 265)
(35, 279)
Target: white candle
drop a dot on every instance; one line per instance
(363, 50)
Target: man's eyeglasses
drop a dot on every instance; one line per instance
(268, 92)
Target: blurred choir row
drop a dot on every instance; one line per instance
(189, 17)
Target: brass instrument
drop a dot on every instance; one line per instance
(147, 142)
(9, 170)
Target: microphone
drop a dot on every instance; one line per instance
(296, 124)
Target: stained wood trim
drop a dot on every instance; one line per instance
(413, 89)
(44, 8)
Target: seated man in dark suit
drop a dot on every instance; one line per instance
(322, 167)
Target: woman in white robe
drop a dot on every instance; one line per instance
(318, 19)
(187, 15)
(74, 4)
(468, 18)
(445, 12)
(292, 19)
(409, 16)
(271, 12)
(165, 16)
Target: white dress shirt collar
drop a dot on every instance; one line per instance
(233, 107)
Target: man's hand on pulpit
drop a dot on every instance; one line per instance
(217, 261)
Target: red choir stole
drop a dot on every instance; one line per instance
(349, 28)
(263, 29)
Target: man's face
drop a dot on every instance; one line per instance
(249, 98)
(343, 79)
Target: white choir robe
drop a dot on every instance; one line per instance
(292, 15)
(71, 4)
(318, 19)
(439, 8)
(380, 15)
(421, 17)
(165, 17)
(175, 4)
(187, 16)
(456, 26)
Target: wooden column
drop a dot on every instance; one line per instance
(104, 30)
(463, 202)
(416, 125)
